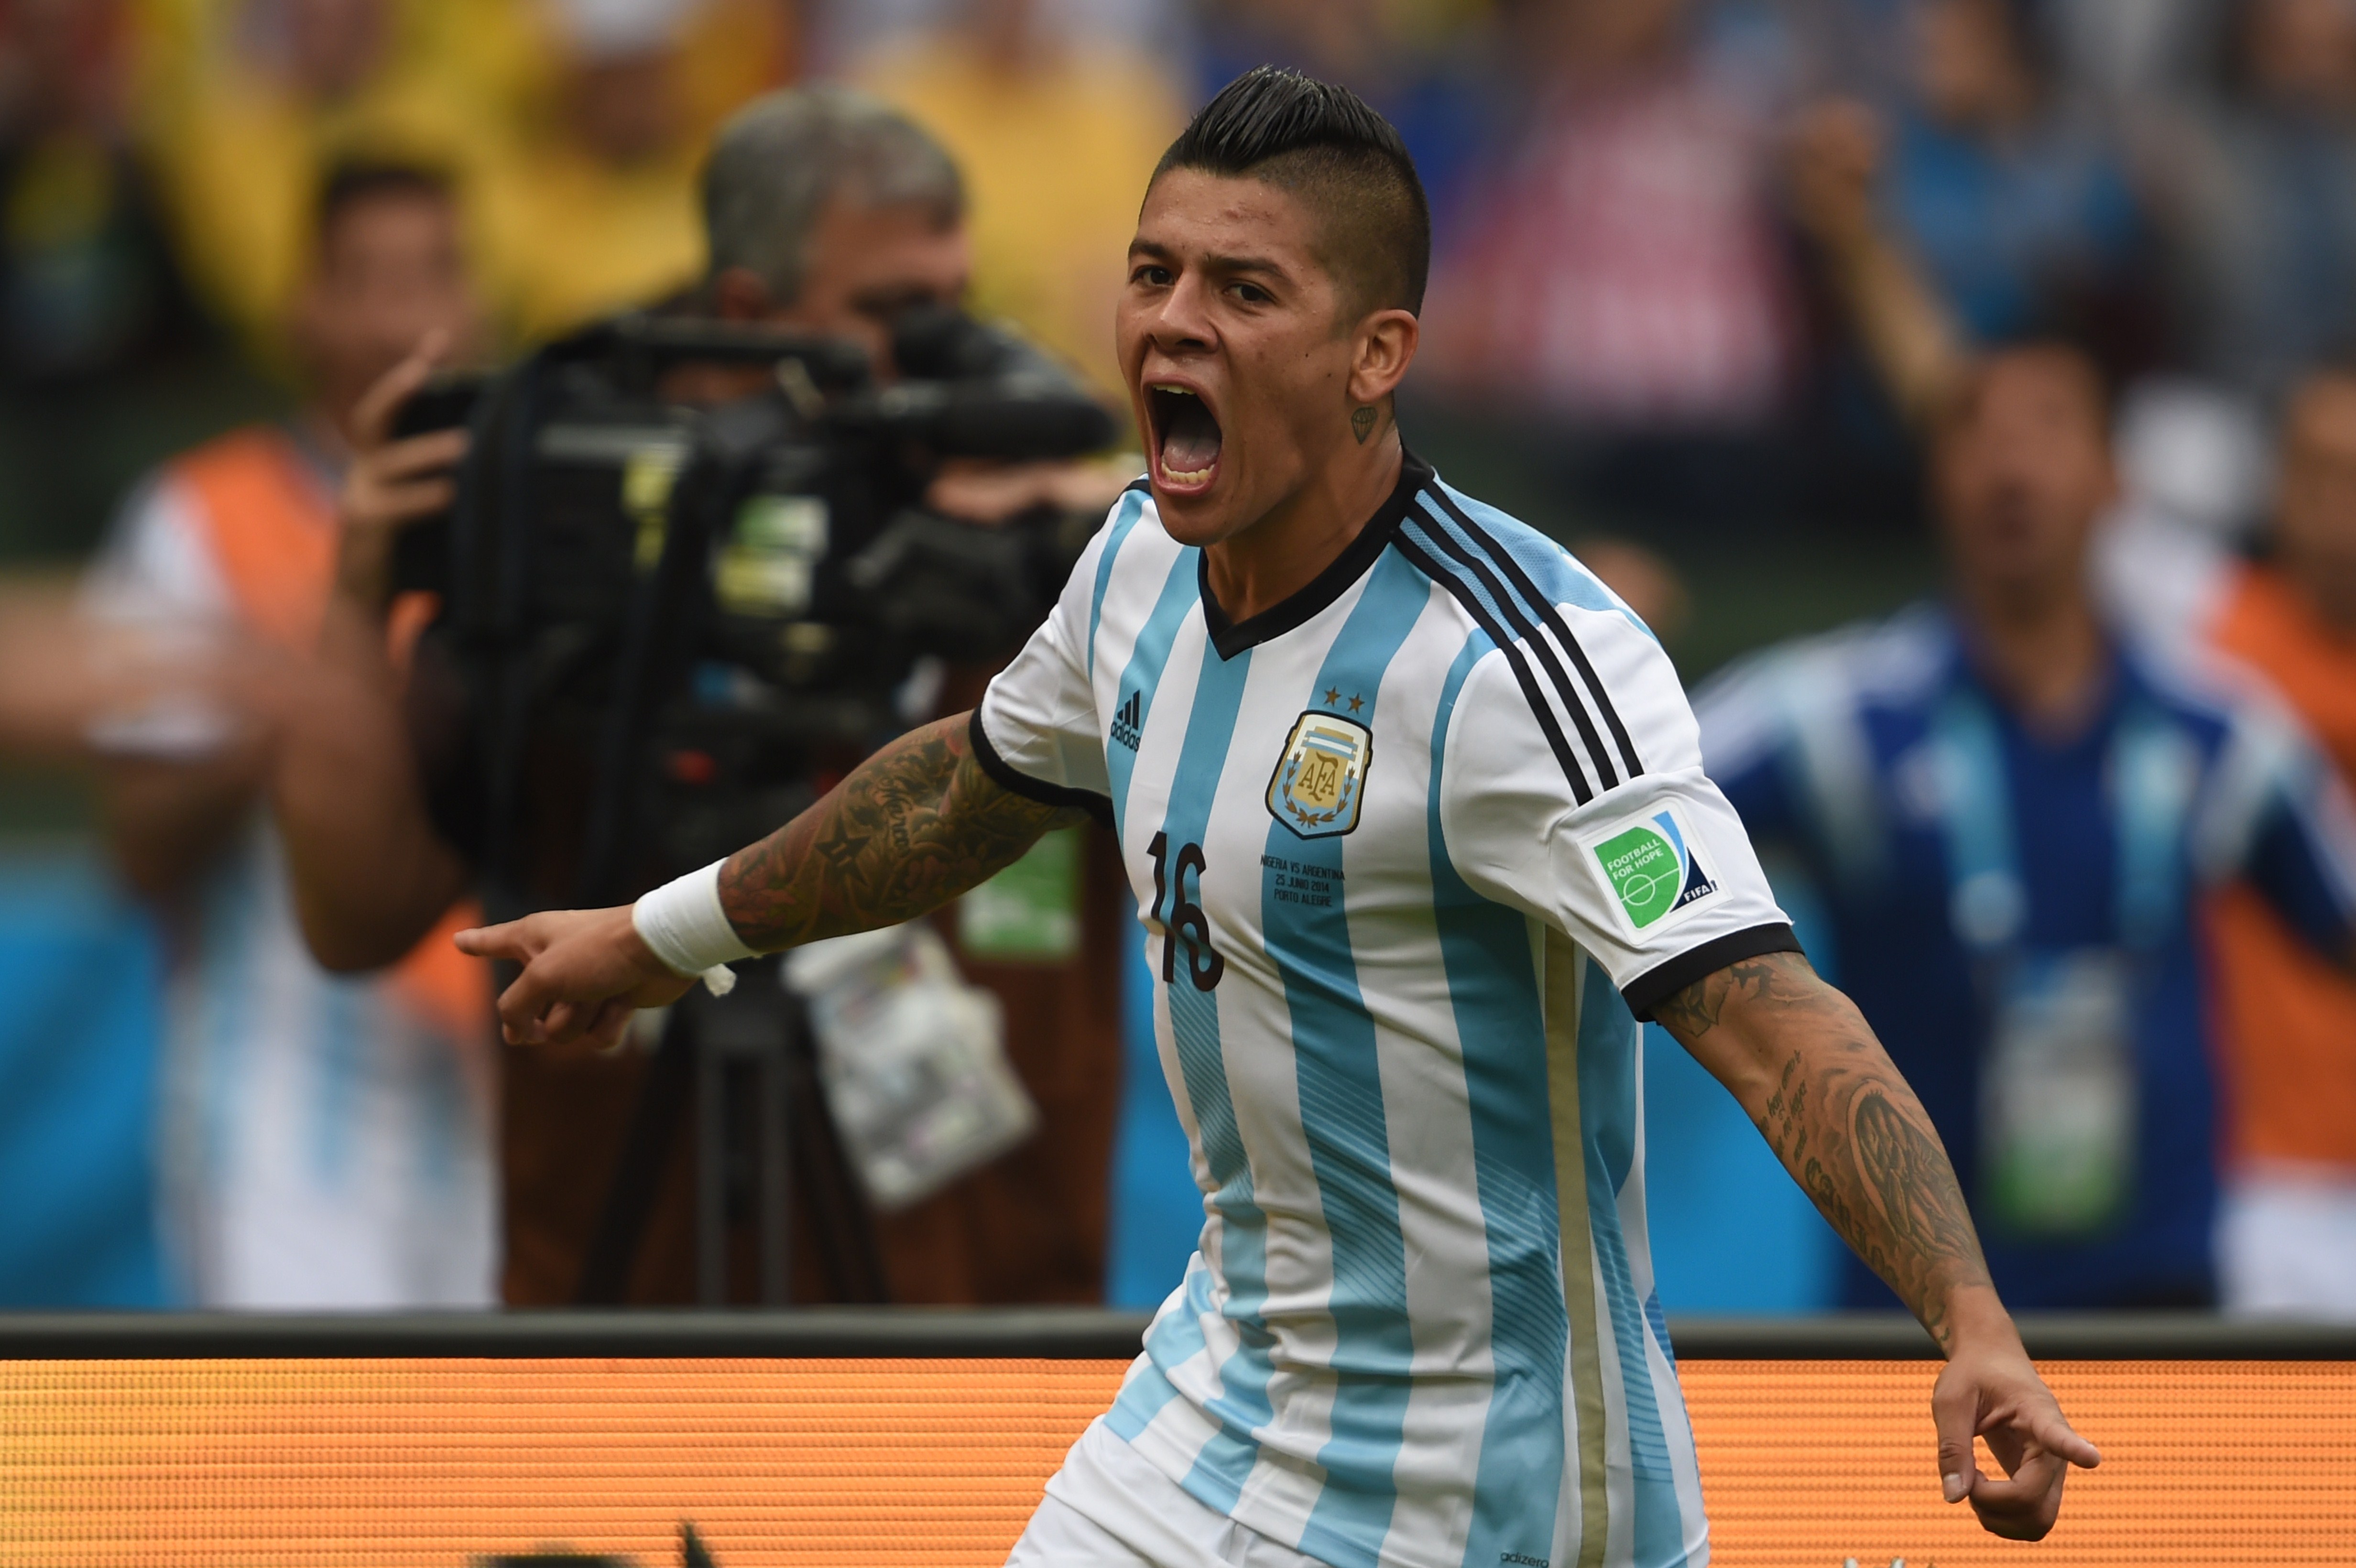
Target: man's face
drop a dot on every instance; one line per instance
(1967, 64)
(867, 264)
(2301, 51)
(2022, 472)
(391, 269)
(1228, 344)
(2315, 510)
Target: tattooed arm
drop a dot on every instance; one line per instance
(913, 827)
(1805, 1065)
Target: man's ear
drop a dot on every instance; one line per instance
(1383, 348)
(739, 295)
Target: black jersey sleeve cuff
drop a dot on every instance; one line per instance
(1650, 990)
(1004, 774)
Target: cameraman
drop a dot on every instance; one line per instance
(825, 211)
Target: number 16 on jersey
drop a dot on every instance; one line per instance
(1185, 918)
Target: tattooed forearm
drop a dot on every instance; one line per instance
(1803, 1062)
(913, 827)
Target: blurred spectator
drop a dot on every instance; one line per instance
(2020, 209)
(2193, 468)
(1421, 64)
(92, 310)
(2124, 53)
(1644, 583)
(2284, 1015)
(2254, 182)
(1617, 266)
(244, 103)
(845, 32)
(326, 1139)
(85, 285)
(2289, 1240)
(590, 207)
(1056, 140)
(2010, 813)
(1616, 278)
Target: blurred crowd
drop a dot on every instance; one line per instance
(2065, 286)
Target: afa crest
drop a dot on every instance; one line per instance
(1321, 777)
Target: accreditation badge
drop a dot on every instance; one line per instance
(2057, 1097)
(1321, 778)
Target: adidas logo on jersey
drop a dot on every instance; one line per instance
(1128, 724)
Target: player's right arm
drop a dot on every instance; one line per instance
(915, 825)
(929, 817)
(370, 874)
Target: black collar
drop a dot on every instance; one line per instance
(1328, 585)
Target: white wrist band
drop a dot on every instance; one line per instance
(683, 922)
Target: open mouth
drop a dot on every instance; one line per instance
(1185, 436)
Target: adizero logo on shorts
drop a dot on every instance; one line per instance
(1653, 866)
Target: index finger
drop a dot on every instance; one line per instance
(372, 415)
(506, 942)
(2051, 1430)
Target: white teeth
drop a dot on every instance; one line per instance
(1164, 387)
(1184, 476)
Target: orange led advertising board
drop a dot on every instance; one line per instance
(438, 1461)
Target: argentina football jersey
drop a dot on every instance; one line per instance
(1414, 849)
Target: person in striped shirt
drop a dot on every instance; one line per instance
(1414, 811)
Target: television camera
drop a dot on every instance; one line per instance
(688, 578)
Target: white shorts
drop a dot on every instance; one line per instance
(1107, 1508)
(2287, 1244)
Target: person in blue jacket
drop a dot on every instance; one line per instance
(2008, 810)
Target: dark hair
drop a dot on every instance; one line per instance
(2093, 377)
(1324, 145)
(2072, 328)
(349, 182)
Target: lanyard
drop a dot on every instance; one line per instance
(2152, 772)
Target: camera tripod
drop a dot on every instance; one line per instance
(745, 1068)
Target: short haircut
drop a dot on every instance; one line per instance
(349, 182)
(2058, 339)
(1345, 163)
(776, 165)
(1959, 413)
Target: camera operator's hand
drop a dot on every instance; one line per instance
(976, 490)
(585, 971)
(391, 484)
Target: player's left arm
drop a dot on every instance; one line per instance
(1806, 1066)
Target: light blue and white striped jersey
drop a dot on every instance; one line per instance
(1402, 844)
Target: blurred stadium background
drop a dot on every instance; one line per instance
(1643, 336)
(1634, 344)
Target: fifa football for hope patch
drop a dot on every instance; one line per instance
(1654, 866)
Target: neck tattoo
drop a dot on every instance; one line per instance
(1363, 421)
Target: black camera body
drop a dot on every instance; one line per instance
(671, 621)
